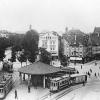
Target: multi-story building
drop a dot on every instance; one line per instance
(50, 41)
(95, 39)
(75, 45)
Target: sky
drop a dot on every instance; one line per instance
(51, 15)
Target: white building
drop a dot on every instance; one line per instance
(49, 41)
(66, 48)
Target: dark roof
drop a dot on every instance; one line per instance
(97, 30)
(95, 39)
(80, 38)
(39, 68)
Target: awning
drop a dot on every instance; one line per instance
(75, 58)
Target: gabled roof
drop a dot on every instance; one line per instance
(39, 68)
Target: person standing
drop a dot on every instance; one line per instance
(28, 89)
(81, 66)
(16, 96)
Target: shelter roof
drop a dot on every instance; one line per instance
(39, 68)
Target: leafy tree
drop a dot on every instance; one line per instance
(13, 55)
(22, 58)
(2, 54)
(45, 56)
(30, 44)
(62, 57)
(3, 45)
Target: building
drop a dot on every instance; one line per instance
(50, 41)
(66, 47)
(75, 45)
(95, 40)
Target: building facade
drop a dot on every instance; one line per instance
(50, 41)
(75, 46)
(95, 40)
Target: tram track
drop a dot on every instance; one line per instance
(68, 90)
(61, 93)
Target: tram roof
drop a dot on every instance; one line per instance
(59, 78)
(39, 68)
(74, 75)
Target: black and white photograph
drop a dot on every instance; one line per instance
(49, 50)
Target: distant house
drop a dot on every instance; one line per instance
(95, 39)
(75, 46)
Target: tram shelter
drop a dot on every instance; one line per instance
(39, 73)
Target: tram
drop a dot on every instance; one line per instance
(7, 66)
(6, 84)
(59, 83)
(78, 78)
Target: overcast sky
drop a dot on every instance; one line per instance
(17, 15)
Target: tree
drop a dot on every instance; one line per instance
(30, 44)
(2, 54)
(13, 55)
(45, 56)
(62, 57)
(22, 58)
(3, 45)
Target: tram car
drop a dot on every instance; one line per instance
(59, 83)
(77, 79)
(7, 66)
(6, 84)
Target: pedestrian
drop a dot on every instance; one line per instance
(83, 83)
(89, 74)
(95, 63)
(28, 89)
(81, 66)
(16, 97)
(98, 74)
(91, 70)
(95, 74)
(77, 72)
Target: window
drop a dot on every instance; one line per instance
(1, 90)
(53, 42)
